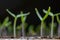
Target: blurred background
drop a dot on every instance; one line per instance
(16, 6)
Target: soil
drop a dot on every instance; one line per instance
(48, 37)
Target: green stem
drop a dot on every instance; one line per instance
(58, 20)
(15, 27)
(59, 29)
(41, 31)
(23, 32)
(52, 26)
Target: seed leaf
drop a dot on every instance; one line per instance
(38, 14)
(23, 17)
(19, 15)
(5, 21)
(50, 13)
(10, 13)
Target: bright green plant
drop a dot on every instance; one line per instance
(15, 19)
(23, 19)
(52, 15)
(5, 24)
(42, 19)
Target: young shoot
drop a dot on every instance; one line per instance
(5, 24)
(58, 20)
(15, 19)
(52, 15)
(42, 19)
(23, 19)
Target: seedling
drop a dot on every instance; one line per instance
(5, 24)
(23, 19)
(15, 19)
(52, 15)
(42, 19)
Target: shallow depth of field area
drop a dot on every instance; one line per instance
(9, 29)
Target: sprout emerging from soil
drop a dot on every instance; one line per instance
(52, 15)
(42, 19)
(23, 19)
(3, 25)
(15, 19)
(58, 25)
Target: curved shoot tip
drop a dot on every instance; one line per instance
(49, 8)
(28, 13)
(10, 13)
(5, 21)
(21, 12)
(35, 8)
(38, 14)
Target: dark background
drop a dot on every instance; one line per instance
(16, 6)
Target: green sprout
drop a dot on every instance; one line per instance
(5, 24)
(42, 19)
(23, 19)
(52, 15)
(15, 19)
(58, 20)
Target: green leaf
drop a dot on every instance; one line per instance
(5, 21)
(19, 15)
(47, 13)
(24, 16)
(38, 14)
(58, 20)
(10, 13)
